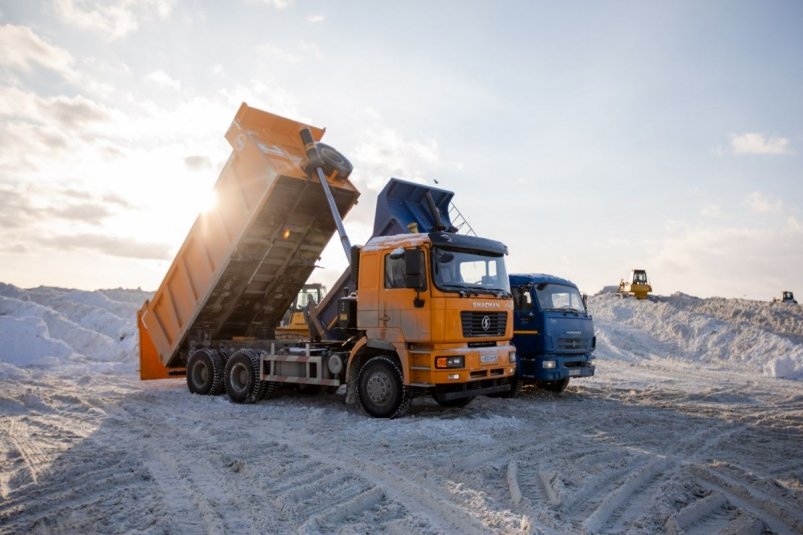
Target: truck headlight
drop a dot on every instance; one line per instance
(549, 364)
(450, 362)
(512, 357)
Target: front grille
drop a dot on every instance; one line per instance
(477, 324)
(482, 344)
(576, 364)
(573, 344)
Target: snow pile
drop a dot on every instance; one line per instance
(731, 334)
(52, 327)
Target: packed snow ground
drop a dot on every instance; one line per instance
(693, 424)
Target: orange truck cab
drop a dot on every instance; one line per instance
(441, 304)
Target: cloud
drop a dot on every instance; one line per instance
(29, 205)
(37, 131)
(72, 112)
(311, 49)
(198, 163)
(278, 4)
(68, 112)
(22, 49)
(760, 203)
(162, 79)
(14, 209)
(116, 199)
(711, 210)
(384, 152)
(90, 213)
(316, 18)
(756, 143)
(114, 19)
(271, 51)
(618, 242)
(693, 258)
(109, 245)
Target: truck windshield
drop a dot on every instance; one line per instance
(469, 272)
(559, 297)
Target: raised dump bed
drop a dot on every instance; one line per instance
(244, 261)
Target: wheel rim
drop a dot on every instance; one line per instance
(239, 377)
(200, 373)
(379, 388)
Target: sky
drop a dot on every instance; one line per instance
(590, 137)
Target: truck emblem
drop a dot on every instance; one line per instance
(486, 304)
(486, 323)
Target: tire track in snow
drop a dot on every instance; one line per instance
(31, 454)
(626, 503)
(314, 486)
(509, 447)
(437, 513)
(712, 514)
(780, 512)
(78, 496)
(614, 505)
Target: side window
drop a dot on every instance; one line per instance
(394, 272)
(522, 299)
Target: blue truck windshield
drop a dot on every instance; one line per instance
(559, 297)
(469, 272)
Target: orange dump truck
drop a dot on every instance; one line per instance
(415, 325)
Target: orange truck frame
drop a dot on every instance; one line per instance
(418, 324)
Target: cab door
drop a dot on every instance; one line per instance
(403, 308)
(527, 329)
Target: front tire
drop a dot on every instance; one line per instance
(555, 386)
(381, 389)
(205, 372)
(242, 377)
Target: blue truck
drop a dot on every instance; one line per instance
(552, 331)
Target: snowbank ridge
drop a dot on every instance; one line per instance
(735, 334)
(55, 327)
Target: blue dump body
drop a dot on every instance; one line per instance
(552, 331)
(399, 205)
(402, 203)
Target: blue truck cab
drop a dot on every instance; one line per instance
(552, 331)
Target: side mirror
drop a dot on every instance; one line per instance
(415, 269)
(585, 302)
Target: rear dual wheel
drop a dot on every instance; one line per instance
(205, 372)
(242, 379)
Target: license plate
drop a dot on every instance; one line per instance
(488, 359)
(575, 373)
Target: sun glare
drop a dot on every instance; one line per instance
(207, 201)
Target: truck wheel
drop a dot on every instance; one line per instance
(205, 372)
(242, 377)
(382, 393)
(333, 161)
(555, 386)
(514, 392)
(459, 403)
